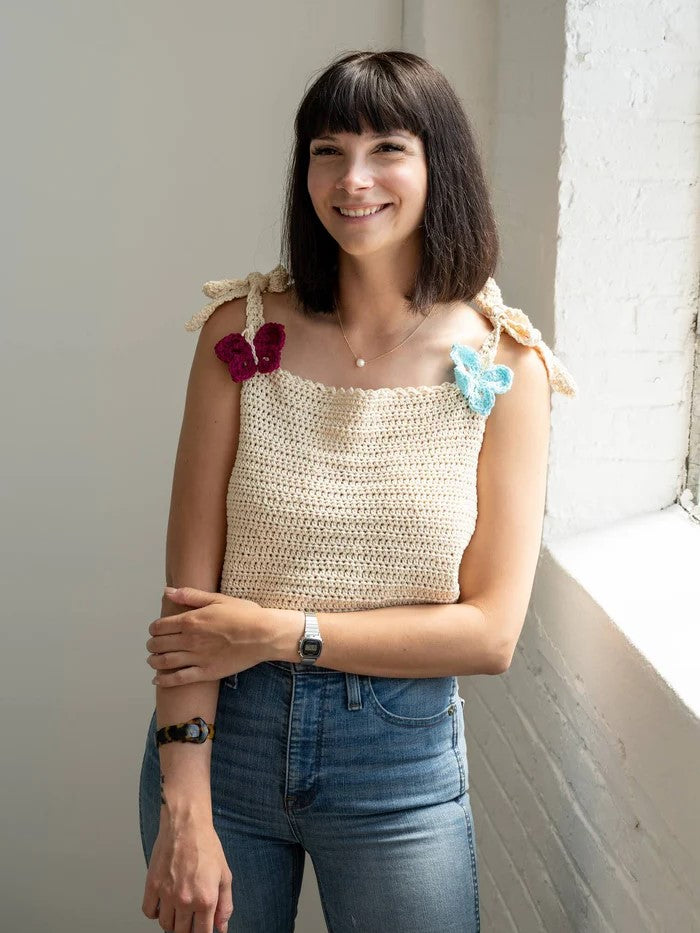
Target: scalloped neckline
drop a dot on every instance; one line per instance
(361, 390)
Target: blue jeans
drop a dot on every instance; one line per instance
(368, 775)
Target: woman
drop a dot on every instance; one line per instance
(325, 492)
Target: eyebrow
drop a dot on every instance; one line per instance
(372, 135)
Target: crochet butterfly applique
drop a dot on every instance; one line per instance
(477, 383)
(237, 352)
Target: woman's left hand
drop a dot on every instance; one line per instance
(213, 637)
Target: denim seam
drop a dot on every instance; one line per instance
(456, 750)
(289, 814)
(293, 825)
(320, 732)
(289, 730)
(143, 841)
(459, 711)
(294, 883)
(472, 853)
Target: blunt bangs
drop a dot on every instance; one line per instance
(374, 98)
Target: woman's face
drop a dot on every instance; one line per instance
(352, 171)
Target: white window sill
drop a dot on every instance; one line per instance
(645, 574)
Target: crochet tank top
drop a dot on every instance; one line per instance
(349, 498)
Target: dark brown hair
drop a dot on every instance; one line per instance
(386, 91)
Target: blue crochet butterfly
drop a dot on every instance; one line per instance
(477, 383)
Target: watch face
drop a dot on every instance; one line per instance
(197, 731)
(310, 648)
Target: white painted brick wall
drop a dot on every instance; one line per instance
(583, 775)
(584, 764)
(627, 258)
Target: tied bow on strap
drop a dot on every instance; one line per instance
(222, 290)
(225, 289)
(246, 358)
(513, 320)
(520, 327)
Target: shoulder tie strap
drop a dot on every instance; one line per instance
(490, 303)
(254, 284)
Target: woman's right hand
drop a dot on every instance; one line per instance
(188, 884)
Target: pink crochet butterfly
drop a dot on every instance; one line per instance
(235, 350)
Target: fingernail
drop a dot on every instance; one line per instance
(170, 590)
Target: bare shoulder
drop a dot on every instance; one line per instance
(212, 396)
(530, 391)
(517, 431)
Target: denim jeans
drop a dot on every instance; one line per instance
(368, 775)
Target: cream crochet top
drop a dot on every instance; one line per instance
(353, 498)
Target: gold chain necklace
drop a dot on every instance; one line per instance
(359, 361)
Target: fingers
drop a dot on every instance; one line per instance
(150, 903)
(169, 660)
(186, 675)
(166, 917)
(203, 922)
(167, 625)
(224, 908)
(160, 643)
(183, 921)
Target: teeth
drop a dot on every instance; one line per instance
(364, 213)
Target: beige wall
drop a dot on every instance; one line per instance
(144, 148)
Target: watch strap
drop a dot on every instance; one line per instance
(313, 634)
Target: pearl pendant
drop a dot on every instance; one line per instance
(359, 361)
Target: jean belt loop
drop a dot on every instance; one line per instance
(352, 684)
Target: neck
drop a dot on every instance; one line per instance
(371, 294)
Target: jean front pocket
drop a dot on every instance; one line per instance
(231, 681)
(413, 701)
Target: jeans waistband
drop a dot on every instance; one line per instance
(352, 681)
(300, 668)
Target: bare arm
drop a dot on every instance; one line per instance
(196, 541)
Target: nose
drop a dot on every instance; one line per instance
(354, 175)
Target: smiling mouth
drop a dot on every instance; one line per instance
(362, 216)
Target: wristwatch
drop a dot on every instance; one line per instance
(194, 730)
(310, 643)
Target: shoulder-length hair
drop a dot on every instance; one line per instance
(387, 91)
